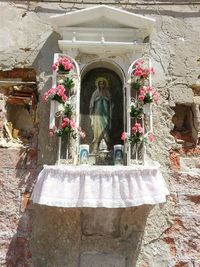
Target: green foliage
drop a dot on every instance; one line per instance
(136, 112)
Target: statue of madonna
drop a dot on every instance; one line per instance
(100, 114)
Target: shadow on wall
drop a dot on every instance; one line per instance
(23, 164)
(43, 66)
(21, 171)
(85, 237)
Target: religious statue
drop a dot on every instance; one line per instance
(100, 114)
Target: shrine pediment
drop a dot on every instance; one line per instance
(102, 26)
(100, 14)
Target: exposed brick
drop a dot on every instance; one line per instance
(25, 200)
(182, 264)
(170, 241)
(24, 74)
(174, 160)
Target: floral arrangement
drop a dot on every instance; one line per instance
(67, 83)
(139, 74)
(148, 94)
(61, 93)
(143, 94)
(135, 111)
(63, 64)
(58, 93)
(137, 135)
(67, 127)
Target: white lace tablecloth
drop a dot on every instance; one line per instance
(99, 186)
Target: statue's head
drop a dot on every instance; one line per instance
(101, 83)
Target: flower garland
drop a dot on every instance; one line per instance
(63, 65)
(144, 94)
(67, 127)
(61, 93)
(137, 135)
(140, 74)
(58, 94)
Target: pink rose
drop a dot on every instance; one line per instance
(153, 71)
(134, 130)
(63, 124)
(82, 134)
(66, 120)
(123, 136)
(54, 66)
(141, 97)
(151, 137)
(141, 130)
(72, 124)
(64, 98)
(51, 133)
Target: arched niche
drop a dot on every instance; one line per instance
(89, 97)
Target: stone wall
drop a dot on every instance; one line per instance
(160, 236)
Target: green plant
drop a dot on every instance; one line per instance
(135, 111)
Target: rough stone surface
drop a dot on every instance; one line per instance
(166, 235)
(98, 260)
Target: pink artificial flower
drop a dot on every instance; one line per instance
(54, 128)
(141, 97)
(138, 62)
(123, 136)
(82, 134)
(149, 89)
(138, 72)
(155, 97)
(134, 130)
(66, 63)
(140, 130)
(72, 123)
(67, 120)
(147, 71)
(51, 91)
(153, 71)
(51, 133)
(63, 124)
(151, 137)
(54, 66)
(45, 97)
(137, 128)
(64, 98)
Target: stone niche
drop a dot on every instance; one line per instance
(116, 94)
(102, 42)
(186, 123)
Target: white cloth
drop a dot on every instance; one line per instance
(99, 186)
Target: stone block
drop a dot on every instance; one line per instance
(133, 220)
(93, 259)
(181, 95)
(100, 221)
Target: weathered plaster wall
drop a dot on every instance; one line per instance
(160, 236)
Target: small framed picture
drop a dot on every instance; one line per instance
(118, 155)
(84, 154)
